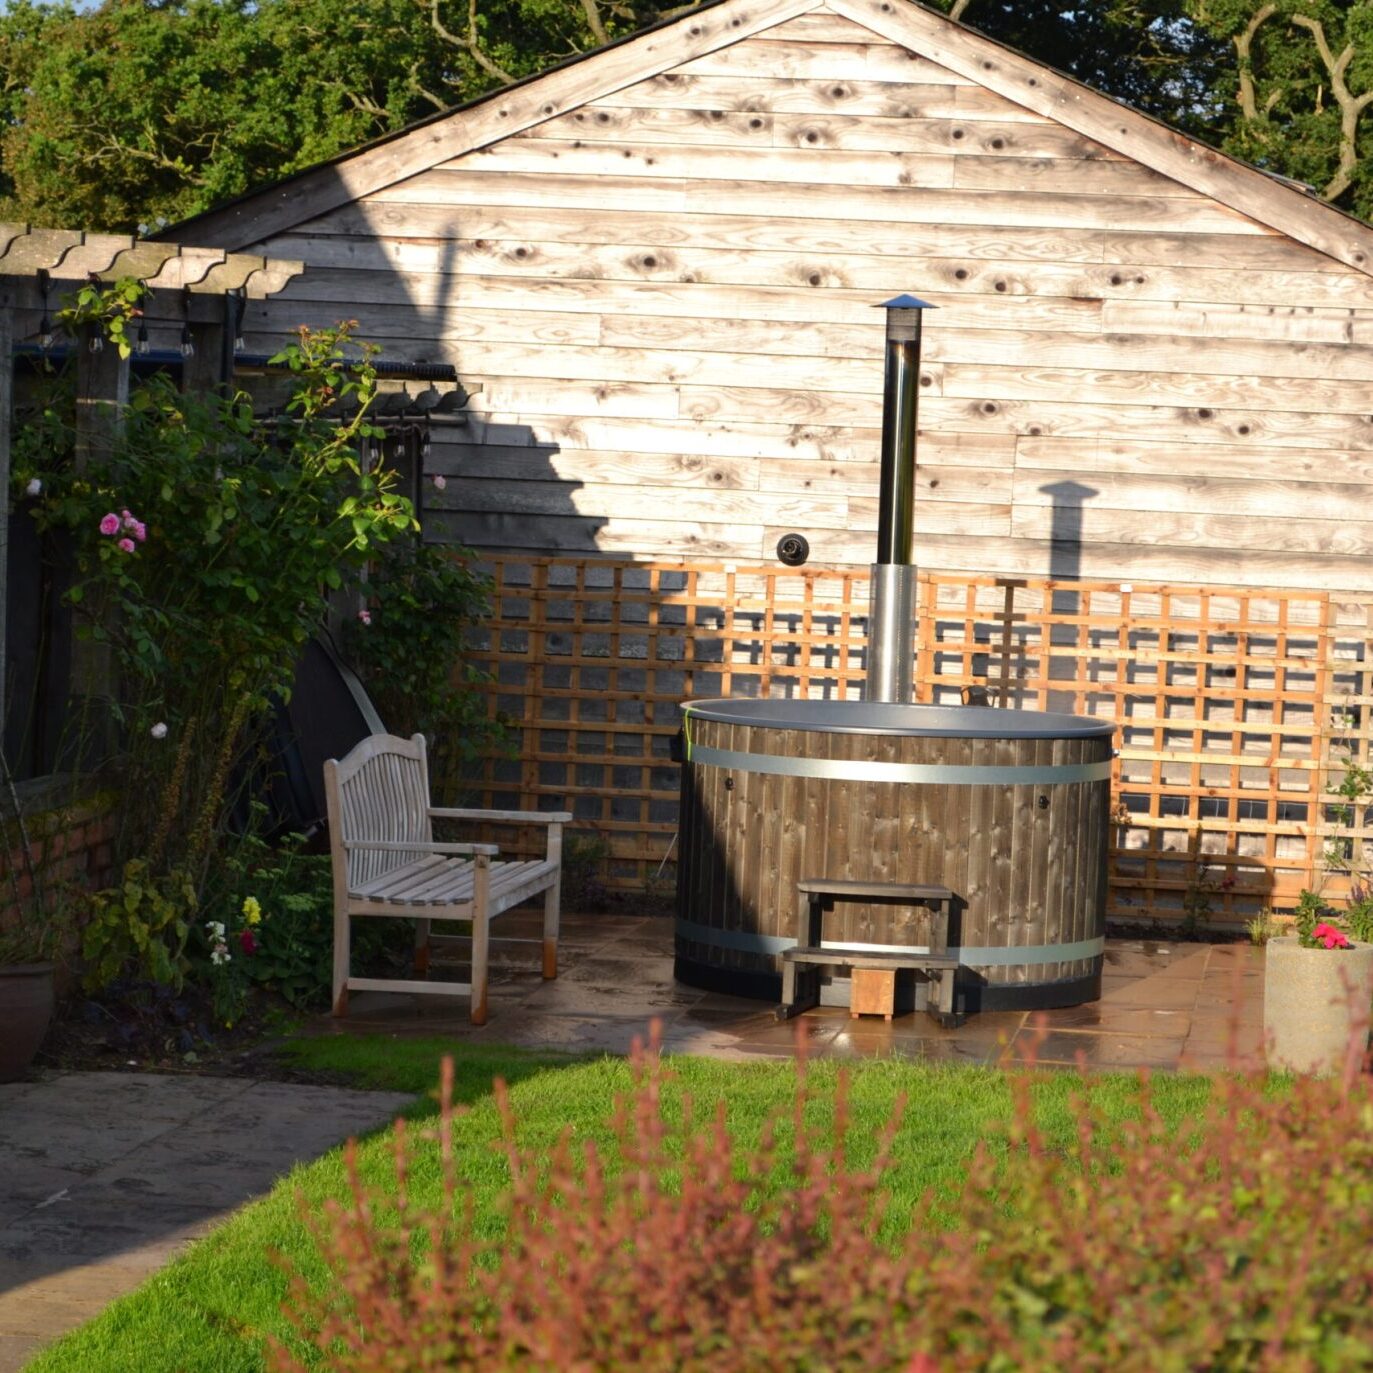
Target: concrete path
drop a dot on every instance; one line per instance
(105, 1176)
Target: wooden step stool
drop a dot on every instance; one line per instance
(937, 966)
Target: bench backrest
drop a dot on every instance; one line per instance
(378, 793)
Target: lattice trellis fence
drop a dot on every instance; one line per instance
(1235, 708)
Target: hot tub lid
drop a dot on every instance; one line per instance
(881, 717)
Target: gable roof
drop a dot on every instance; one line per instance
(1269, 200)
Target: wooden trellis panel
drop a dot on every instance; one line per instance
(589, 659)
(1219, 697)
(1345, 839)
(1224, 700)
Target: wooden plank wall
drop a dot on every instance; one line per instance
(665, 298)
(1236, 708)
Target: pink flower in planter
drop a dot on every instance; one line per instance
(109, 525)
(1328, 935)
(127, 545)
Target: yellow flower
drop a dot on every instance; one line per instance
(252, 912)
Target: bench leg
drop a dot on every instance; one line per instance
(552, 903)
(797, 1002)
(481, 936)
(941, 1006)
(422, 947)
(340, 997)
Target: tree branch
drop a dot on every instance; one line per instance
(1351, 106)
(593, 21)
(679, 9)
(1244, 49)
(363, 103)
(423, 92)
(956, 12)
(470, 44)
(113, 147)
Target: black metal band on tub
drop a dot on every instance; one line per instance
(933, 774)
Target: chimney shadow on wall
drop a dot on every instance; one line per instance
(1065, 565)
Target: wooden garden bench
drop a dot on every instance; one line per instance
(937, 967)
(386, 863)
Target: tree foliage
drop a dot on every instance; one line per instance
(143, 111)
(139, 111)
(1152, 54)
(1298, 91)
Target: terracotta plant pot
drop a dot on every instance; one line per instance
(26, 1003)
(1314, 1002)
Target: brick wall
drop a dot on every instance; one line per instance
(69, 846)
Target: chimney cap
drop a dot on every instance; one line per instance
(906, 302)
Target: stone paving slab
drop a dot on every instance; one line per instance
(1163, 1005)
(106, 1176)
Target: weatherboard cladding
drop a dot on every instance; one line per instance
(656, 268)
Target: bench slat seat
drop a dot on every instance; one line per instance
(386, 863)
(447, 881)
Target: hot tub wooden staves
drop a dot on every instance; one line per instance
(1008, 809)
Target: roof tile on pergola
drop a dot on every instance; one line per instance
(72, 253)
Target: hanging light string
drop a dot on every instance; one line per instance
(187, 342)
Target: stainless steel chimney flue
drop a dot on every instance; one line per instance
(891, 616)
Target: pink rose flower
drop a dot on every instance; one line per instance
(127, 517)
(439, 482)
(109, 525)
(140, 531)
(127, 545)
(365, 616)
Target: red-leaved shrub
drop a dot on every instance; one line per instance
(1240, 1241)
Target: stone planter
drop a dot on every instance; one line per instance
(26, 1004)
(1314, 1001)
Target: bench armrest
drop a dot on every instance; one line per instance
(418, 846)
(519, 817)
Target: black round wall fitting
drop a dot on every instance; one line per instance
(793, 549)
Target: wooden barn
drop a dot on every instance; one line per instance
(654, 269)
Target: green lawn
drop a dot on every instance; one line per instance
(210, 1311)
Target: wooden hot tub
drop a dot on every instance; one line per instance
(1009, 809)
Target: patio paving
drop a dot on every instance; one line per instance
(108, 1175)
(1163, 1005)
